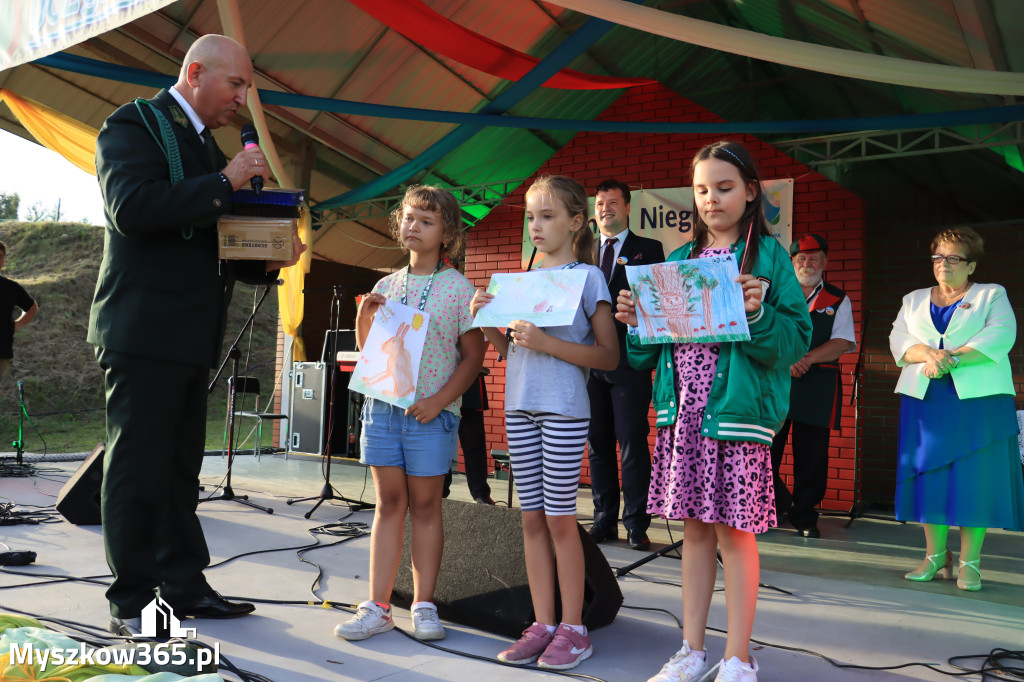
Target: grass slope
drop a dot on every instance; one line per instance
(57, 263)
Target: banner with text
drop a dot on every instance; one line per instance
(30, 29)
(666, 214)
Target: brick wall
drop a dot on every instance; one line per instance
(654, 161)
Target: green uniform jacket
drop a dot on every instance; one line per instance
(161, 293)
(750, 393)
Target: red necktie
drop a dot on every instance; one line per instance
(608, 258)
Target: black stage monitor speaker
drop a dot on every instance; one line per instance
(79, 499)
(482, 582)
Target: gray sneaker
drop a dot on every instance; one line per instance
(426, 624)
(369, 620)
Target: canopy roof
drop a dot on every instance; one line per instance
(339, 51)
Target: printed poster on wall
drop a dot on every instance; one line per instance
(689, 301)
(388, 368)
(666, 214)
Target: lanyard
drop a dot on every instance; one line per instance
(426, 289)
(570, 266)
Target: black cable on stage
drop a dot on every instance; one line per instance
(91, 579)
(992, 666)
(9, 516)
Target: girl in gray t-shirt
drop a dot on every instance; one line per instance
(547, 417)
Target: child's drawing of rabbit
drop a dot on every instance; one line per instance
(399, 365)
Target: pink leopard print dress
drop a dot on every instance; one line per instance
(695, 477)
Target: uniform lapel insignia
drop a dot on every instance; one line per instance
(179, 117)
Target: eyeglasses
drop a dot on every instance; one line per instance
(952, 260)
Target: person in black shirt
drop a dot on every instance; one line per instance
(12, 295)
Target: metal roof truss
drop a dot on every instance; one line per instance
(887, 144)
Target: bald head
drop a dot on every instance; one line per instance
(214, 78)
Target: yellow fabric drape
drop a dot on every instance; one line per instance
(73, 140)
(290, 301)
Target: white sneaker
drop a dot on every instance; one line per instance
(685, 666)
(369, 620)
(735, 670)
(426, 625)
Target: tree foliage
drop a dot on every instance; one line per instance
(40, 212)
(9, 206)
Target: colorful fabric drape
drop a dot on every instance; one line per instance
(73, 140)
(820, 58)
(422, 25)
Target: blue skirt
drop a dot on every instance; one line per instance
(958, 460)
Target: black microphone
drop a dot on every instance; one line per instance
(251, 139)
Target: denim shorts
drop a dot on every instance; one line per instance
(391, 439)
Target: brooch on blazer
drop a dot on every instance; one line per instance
(620, 260)
(963, 305)
(830, 310)
(179, 116)
(638, 256)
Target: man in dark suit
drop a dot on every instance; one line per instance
(158, 320)
(620, 398)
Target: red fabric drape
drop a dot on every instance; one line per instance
(424, 26)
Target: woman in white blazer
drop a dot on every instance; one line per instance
(958, 460)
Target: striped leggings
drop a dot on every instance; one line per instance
(546, 451)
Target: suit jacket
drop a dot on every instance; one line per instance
(636, 250)
(985, 322)
(162, 292)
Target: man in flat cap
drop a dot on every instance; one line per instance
(816, 391)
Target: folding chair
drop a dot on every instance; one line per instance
(251, 386)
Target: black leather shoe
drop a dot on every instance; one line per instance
(638, 539)
(602, 534)
(811, 532)
(486, 499)
(213, 606)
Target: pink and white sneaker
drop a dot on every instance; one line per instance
(568, 649)
(531, 645)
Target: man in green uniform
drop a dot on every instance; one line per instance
(157, 322)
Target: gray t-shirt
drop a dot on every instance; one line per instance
(538, 382)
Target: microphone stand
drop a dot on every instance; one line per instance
(234, 354)
(623, 570)
(20, 443)
(857, 508)
(328, 492)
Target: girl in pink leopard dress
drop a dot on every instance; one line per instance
(718, 406)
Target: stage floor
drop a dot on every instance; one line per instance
(847, 598)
